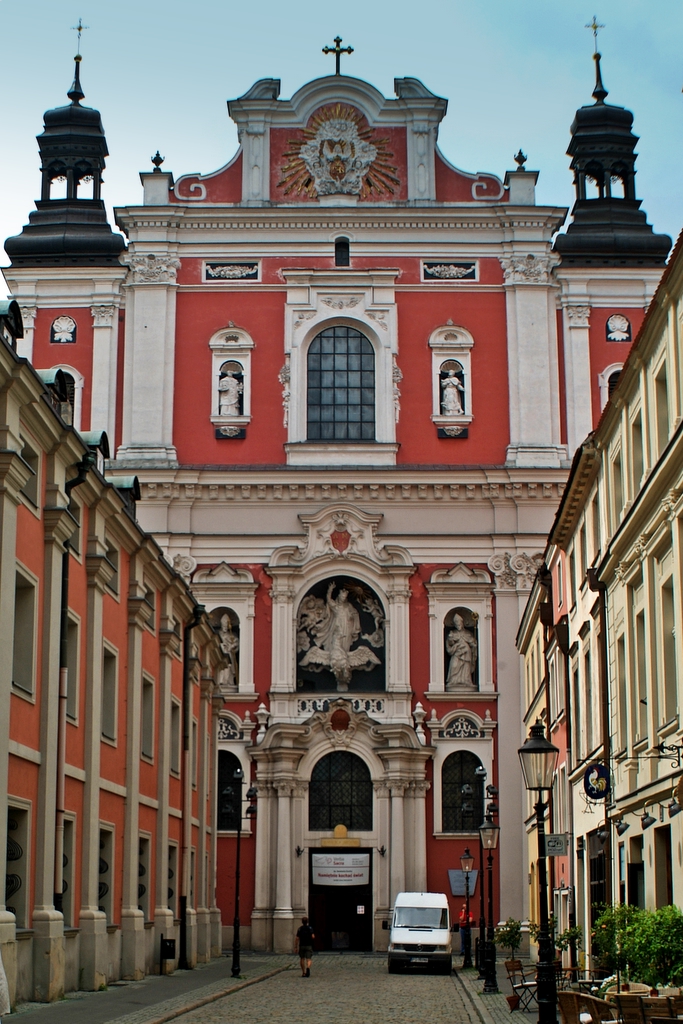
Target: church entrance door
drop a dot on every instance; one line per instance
(341, 904)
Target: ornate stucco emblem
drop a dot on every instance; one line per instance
(339, 153)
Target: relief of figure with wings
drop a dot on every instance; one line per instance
(327, 631)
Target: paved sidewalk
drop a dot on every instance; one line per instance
(155, 999)
(490, 1009)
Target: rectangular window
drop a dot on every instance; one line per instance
(23, 651)
(144, 880)
(617, 491)
(172, 890)
(31, 488)
(175, 737)
(576, 711)
(75, 538)
(572, 577)
(584, 550)
(669, 697)
(68, 873)
(621, 693)
(112, 557)
(637, 453)
(560, 584)
(194, 752)
(72, 652)
(150, 601)
(588, 696)
(662, 410)
(17, 869)
(106, 874)
(595, 517)
(109, 694)
(147, 730)
(641, 675)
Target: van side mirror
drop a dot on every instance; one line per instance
(385, 926)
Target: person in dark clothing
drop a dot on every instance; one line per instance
(303, 947)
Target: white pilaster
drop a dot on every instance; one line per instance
(397, 848)
(282, 915)
(149, 361)
(532, 363)
(25, 344)
(577, 374)
(104, 368)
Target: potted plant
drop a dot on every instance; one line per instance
(509, 936)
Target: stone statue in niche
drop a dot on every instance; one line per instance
(334, 635)
(461, 649)
(230, 390)
(452, 389)
(227, 625)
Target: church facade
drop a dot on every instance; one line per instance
(350, 378)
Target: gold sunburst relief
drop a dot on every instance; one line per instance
(338, 153)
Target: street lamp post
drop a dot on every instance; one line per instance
(538, 758)
(488, 834)
(238, 776)
(480, 773)
(467, 863)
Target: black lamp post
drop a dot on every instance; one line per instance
(480, 962)
(488, 833)
(252, 792)
(538, 758)
(467, 863)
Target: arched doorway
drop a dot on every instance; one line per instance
(340, 799)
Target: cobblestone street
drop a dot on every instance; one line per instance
(344, 989)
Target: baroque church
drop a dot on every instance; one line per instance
(350, 378)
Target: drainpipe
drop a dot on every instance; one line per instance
(86, 464)
(186, 818)
(600, 588)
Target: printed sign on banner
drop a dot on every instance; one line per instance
(340, 868)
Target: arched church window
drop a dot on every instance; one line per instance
(340, 793)
(340, 636)
(231, 389)
(227, 624)
(462, 793)
(341, 386)
(66, 409)
(228, 790)
(342, 252)
(461, 644)
(612, 382)
(452, 388)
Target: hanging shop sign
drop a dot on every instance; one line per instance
(556, 844)
(340, 868)
(596, 781)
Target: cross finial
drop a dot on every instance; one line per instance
(80, 29)
(337, 50)
(595, 27)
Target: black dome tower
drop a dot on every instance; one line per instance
(73, 231)
(610, 229)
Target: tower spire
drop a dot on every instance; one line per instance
(75, 93)
(599, 92)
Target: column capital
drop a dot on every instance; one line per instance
(103, 315)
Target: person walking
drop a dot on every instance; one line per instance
(4, 992)
(303, 947)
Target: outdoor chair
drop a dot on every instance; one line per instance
(523, 983)
(676, 1004)
(655, 1007)
(630, 1008)
(579, 1008)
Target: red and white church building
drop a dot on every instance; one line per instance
(350, 378)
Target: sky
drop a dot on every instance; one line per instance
(160, 72)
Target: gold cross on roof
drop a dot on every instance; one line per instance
(79, 28)
(337, 50)
(595, 27)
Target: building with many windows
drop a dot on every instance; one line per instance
(108, 713)
(602, 650)
(350, 378)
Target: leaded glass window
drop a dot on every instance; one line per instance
(229, 792)
(340, 793)
(341, 386)
(461, 811)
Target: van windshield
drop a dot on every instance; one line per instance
(421, 917)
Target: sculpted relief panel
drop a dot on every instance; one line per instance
(340, 638)
(337, 153)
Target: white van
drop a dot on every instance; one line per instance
(420, 934)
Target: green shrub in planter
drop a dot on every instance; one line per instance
(656, 946)
(509, 936)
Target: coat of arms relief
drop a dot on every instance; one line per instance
(338, 154)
